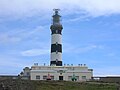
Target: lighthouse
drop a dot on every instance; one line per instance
(57, 71)
(56, 39)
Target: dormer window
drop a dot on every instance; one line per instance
(56, 52)
(56, 31)
(56, 60)
(56, 43)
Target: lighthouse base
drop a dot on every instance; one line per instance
(57, 63)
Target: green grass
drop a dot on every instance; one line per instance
(58, 85)
(63, 85)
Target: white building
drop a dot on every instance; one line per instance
(80, 73)
(56, 71)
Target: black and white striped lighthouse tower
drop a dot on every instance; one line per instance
(56, 40)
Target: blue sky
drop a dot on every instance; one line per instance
(90, 34)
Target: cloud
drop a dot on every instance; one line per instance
(35, 52)
(17, 35)
(28, 8)
(82, 49)
(11, 61)
(12, 64)
(30, 32)
(5, 38)
(108, 71)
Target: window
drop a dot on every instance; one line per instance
(52, 77)
(56, 43)
(28, 74)
(56, 60)
(69, 78)
(56, 52)
(37, 77)
(56, 31)
(44, 77)
(77, 77)
(83, 77)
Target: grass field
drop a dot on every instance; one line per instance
(61, 85)
(56, 85)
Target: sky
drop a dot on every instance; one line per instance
(90, 34)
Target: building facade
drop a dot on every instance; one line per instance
(67, 73)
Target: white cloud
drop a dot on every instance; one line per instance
(42, 7)
(11, 61)
(12, 65)
(107, 71)
(26, 33)
(5, 38)
(35, 52)
(83, 49)
(17, 35)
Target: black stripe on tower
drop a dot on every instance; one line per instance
(57, 63)
(56, 32)
(56, 47)
(56, 29)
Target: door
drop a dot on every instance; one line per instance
(60, 77)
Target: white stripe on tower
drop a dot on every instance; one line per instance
(58, 56)
(56, 40)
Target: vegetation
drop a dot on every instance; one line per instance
(55, 85)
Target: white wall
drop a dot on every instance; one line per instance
(55, 71)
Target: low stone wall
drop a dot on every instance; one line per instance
(110, 79)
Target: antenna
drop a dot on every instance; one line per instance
(56, 10)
